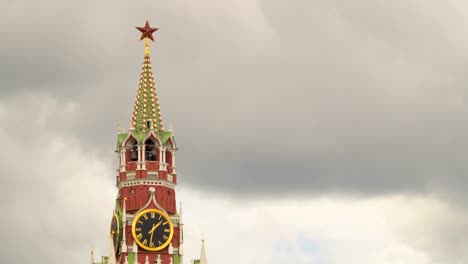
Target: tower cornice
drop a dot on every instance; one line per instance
(146, 182)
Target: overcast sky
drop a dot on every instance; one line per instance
(308, 131)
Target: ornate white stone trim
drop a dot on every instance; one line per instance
(146, 182)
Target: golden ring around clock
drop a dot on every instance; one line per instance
(140, 217)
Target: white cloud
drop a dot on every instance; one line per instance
(433, 226)
(56, 196)
(321, 230)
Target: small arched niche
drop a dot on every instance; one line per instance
(132, 146)
(150, 150)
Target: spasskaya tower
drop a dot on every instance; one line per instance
(146, 227)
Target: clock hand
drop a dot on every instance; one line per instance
(154, 227)
(151, 238)
(158, 224)
(152, 230)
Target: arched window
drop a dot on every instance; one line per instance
(150, 150)
(133, 147)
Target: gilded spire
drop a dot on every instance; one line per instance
(147, 114)
(147, 51)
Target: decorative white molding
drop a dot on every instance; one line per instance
(130, 176)
(154, 136)
(152, 175)
(146, 182)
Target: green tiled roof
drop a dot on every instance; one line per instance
(164, 136)
(121, 137)
(146, 109)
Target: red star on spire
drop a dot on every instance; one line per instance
(147, 31)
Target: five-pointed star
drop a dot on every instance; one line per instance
(147, 31)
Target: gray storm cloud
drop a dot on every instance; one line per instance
(268, 98)
(366, 97)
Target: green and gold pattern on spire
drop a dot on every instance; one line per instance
(146, 113)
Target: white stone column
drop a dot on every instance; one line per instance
(139, 157)
(123, 161)
(135, 250)
(164, 159)
(173, 162)
(161, 158)
(143, 158)
(123, 248)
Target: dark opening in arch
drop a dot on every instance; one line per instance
(150, 150)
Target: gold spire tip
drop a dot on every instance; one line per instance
(147, 34)
(147, 51)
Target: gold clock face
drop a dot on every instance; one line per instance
(115, 230)
(152, 229)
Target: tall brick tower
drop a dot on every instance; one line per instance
(145, 226)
